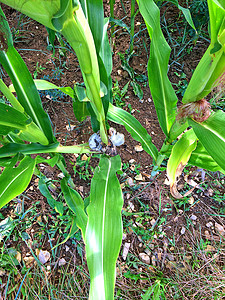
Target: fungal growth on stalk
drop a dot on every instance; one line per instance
(115, 139)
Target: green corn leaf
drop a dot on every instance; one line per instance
(210, 67)
(5, 162)
(105, 66)
(104, 229)
(43, 85)
(73, 230)
(105, 51)
(14, 180)
(212, 64)
(13, 148)
(163, 94)
(68, 18)
(200, 158)
(10, 97)
(11, 119)
(212, 136)
(43, 187)
(33, 134)
(76, 204)
(80, 103)
(51, 161)
(186, 13)
(78, 95)
(216, 15)
(95, 14)
(26, 91)
(179, 157)
(132, 125)
(39, 10)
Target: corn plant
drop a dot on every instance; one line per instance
(203, 141)
(25, 128)
(25, 131)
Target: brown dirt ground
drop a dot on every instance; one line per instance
(154, 196)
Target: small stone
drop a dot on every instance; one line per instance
(141, 101)
(193, 217)
(128, 196)
(130, 181)
(154, 260)
(209, 248)
(138, 148)
(219, 228)
(61, 175)
(209, 224)
(149, 100)
(18, 256)
(147, 251)
(167, 182)
(145, 258)
(44, 256)
(131, 205)
(152, 222)
(140, 245)
(132, 167)
(183, 230)
(132, 161)
(81, 189)
(67, 248)
(207, 235)
(62, 262)
(48, 268)
(125, 250)
(29, 260)
(210, 191)
(70, 127)
(84, 157)
(138, 177)
(191, 200)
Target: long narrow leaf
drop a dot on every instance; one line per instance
(104, 230)
(200, 158)
(13, 181)
(179, 157)
(132, 125)
(76, 204)
(212, 136)
(11, 119)
(163, 94)
(95, 16)
(14, 148)
(26, 91)
(212, 64)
